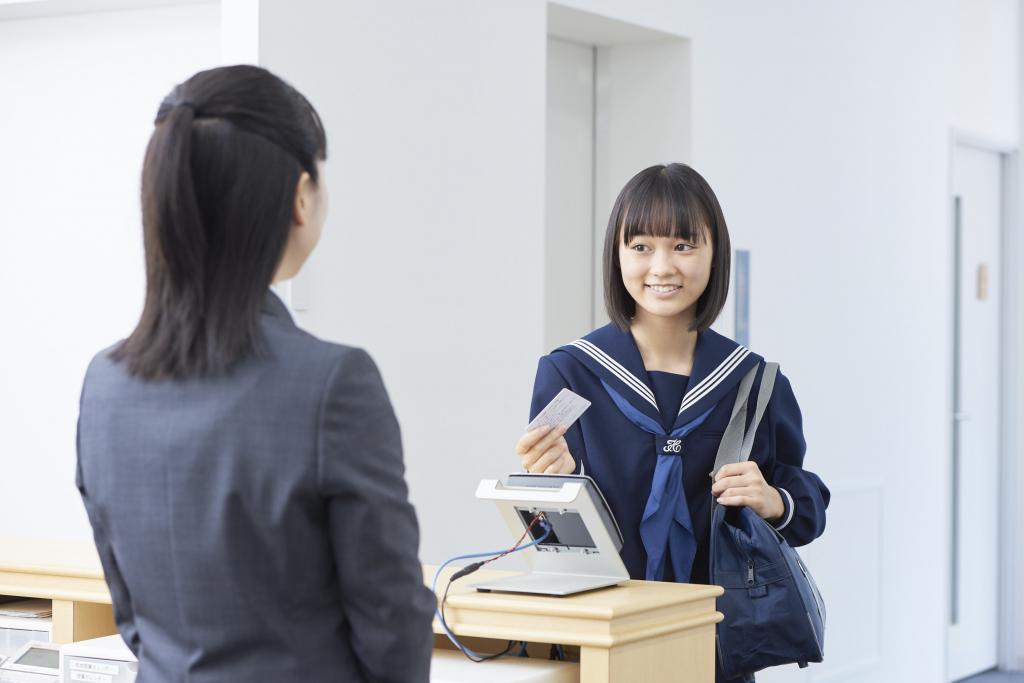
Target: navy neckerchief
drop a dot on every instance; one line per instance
(718, 365)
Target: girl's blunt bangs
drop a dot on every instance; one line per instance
(659, 207)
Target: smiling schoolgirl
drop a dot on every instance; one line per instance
(662, 386)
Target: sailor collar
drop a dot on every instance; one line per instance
(612, 355)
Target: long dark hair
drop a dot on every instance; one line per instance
(218, 191)
(667, 201)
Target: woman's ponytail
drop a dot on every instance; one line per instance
(218, 184)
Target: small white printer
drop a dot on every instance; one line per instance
(34, 662)
(100, 660)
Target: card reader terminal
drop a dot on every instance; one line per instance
(580, 553)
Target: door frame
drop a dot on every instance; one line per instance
(1010, 562)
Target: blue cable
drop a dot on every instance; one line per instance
(433, 586)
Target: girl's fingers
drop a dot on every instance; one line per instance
(730, 470)
(530, 439)
(732, 482)
(564, 465)
(746, 491)
(532, 456)
(548, 458)
(570, 464)
(749, 496)
(552, 438)
(737, 469)
(528, 460)
(567, 463)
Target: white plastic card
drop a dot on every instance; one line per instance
(564, 409)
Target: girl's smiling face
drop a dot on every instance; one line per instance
(666, 276)
(666, 250)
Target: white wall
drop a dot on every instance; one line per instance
(987, 46)
(1013, 633)
(80, 93)
(823, 127)
(825, 130)
(827, 144)
(433, 253)
(834, 171)
(569, 191)
(642, 119)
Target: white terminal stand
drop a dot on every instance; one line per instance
(582, 551)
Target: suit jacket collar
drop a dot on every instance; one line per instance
(275, 308)
(719, 364)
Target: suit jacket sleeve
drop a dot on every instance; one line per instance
(124, 615)
(548, 383)
(804, 494)
(373, 528)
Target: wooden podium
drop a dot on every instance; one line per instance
(640, 631)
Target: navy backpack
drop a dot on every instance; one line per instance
(773, 611)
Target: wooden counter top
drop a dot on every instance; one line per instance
(641, 630)
(634, 610)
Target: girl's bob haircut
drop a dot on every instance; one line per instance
(667, 201)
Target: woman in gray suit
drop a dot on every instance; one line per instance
(244, 480)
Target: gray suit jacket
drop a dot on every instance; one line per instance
(256, 526)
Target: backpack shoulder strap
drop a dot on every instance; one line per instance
(737, 441)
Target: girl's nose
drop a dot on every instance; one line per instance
(661, 264)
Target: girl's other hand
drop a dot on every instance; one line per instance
(742, 484)
(544, 451)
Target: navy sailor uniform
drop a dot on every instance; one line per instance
(655, 475)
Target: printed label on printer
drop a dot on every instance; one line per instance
(90, 677)
(78, 665)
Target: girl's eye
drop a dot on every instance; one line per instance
(640, 247)
(684, 247)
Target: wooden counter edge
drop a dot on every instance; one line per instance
(583, 640)
(99, 594)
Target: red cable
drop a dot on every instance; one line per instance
(522, 538)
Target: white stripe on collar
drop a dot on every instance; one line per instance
(616, 368)
(709, 383)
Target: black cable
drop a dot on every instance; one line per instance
(508, 648)
(469, 569)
